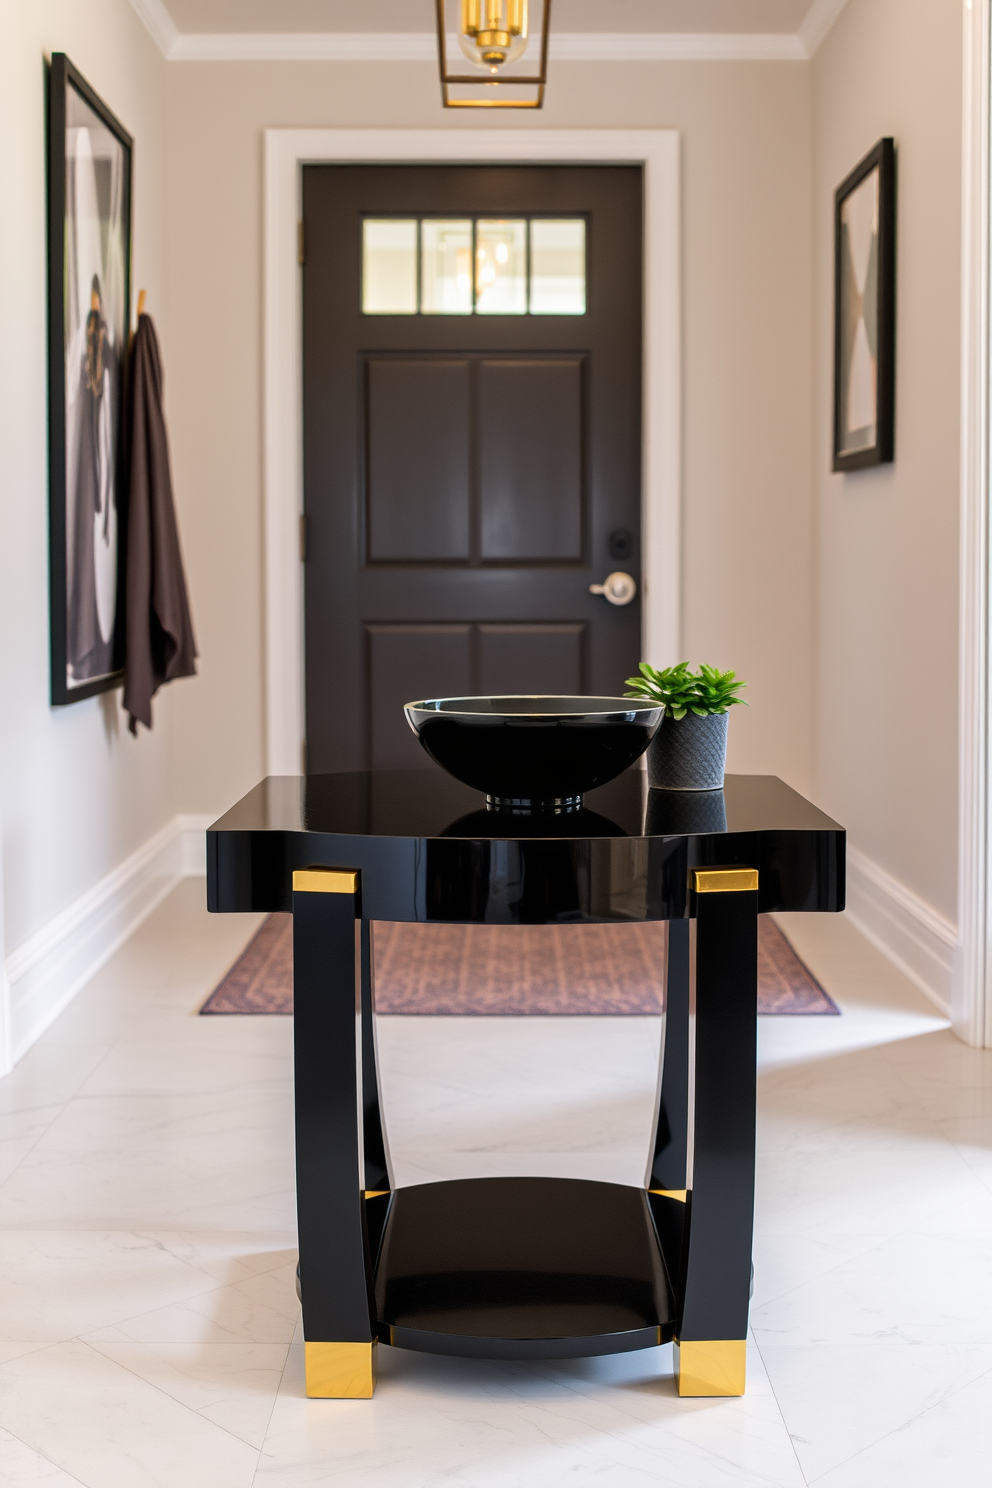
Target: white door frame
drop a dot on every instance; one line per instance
(971, 999)
(286, 151)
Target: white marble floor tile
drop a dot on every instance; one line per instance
(50, 1074)
(948, 1443)
(614, 1421)
(874, 1192)
(56, 1284)
(917, 1286)
(232, 1384)
(103, 1425)
(195, 1161)
(841, 1400)
(258, 1309)
(22, 1467)
(781, 1263)
(234, 1255)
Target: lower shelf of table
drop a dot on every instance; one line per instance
(547, 1268)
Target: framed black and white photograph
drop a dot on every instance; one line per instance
(864, 312)
(89, 257)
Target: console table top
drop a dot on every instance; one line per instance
(428, 849)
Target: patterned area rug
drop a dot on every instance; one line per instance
(512, 971)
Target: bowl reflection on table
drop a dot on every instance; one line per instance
(534, 753)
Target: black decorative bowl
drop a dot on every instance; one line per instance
(534, 753)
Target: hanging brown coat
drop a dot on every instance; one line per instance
(160, 643)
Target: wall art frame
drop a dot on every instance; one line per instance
(89, 298)
(865, 312)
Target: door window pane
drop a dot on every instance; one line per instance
(521, 266)
(557, 266)
(501, 267)
(446, 267)
(389, 266)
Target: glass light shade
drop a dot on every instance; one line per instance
(493, 32)
(389, 266)
(506, 44)
(501, 267)
(446, 266)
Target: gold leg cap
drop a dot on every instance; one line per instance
(340, 1371)
(711, 1366)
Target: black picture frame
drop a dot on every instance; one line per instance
(89, 239)
(865, 312)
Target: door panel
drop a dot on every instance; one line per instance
(463, 473)
(405, 663)
(409, 662)
(417, 438)
(531, 658)
(530, 460)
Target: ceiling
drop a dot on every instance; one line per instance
(668, 17)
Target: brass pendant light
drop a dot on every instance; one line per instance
(494, 36)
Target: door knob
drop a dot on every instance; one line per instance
(618, 588)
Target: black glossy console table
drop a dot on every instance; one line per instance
(525, 1267)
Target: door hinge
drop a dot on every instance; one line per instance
(303, 755)
(300, 242)
(303, 539)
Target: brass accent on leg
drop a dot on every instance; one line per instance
(670, 1193)
(711, 1366)
(340, 1371)
(725, 880)
(376, 1193)
(324, 881)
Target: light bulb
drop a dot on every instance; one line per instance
(493, 32)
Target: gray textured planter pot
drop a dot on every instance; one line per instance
(689, 753)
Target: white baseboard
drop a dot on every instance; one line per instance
(43, 975)
(905, 928)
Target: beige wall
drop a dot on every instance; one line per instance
(746, 240)
(887, 539)
(77, 793)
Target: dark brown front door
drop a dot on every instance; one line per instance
(467, 474)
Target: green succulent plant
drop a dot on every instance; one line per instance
(684, 691)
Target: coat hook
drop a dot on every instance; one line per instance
(141, 303)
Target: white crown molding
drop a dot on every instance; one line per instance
(327, 46)
(417, 46)
(318, 46)
(819, 19)
(675, 46)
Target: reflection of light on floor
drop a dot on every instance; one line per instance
(485, 1097)
(878, 1005)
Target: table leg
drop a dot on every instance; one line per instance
(668, 1165)
(712, 1336)
(666, 1180)
(374, 1144)
(335, 1268)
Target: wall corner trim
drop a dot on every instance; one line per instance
(913, 935)
(43, 975)
(159, 25)
(818, 22)
(972, 1001)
